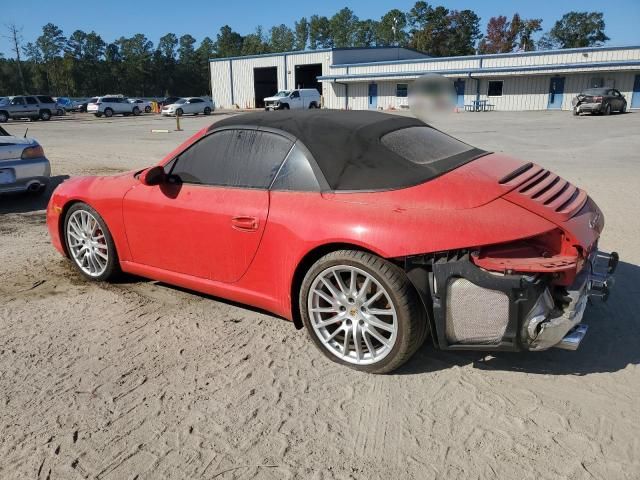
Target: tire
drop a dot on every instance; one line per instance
(136, 111)
(147, 109)
(4, 117)
(179, 112)
(390, 291)
(607, 109)
(108, 112)
(98, 115)
(207, 111)
(39, 192)
(624, 108)
(45, 115)
(312, 105)
(284, 106)
(576, 112)
(110, 267)
(59, 112)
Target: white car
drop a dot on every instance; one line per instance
(112, 105)
(194, 105)
(293, 99)
(143, 105)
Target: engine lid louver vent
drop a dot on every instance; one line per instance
(546, 189)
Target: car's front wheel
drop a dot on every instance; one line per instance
(108, 112)
(607, 109)
(361, 311)
(3, 117)
(147, 109)
(89, 243)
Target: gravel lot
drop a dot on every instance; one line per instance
(140, 380)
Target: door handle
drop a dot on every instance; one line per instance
(245, 224)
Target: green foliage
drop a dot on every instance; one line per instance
(575, 30)
(84, 64)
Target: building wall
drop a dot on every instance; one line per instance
(522, 92)
(243, 88)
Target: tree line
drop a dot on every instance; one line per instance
(84, 64)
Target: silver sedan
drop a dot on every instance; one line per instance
(23, 165)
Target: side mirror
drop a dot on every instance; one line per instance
(152, 176)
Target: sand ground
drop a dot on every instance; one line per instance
(140, 380)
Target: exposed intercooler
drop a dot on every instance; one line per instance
(475, 315)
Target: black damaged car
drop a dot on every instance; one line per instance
(599, 100)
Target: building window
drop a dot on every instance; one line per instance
(495, 88)
(401, 90)
(596, 82)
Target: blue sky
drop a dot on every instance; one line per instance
(202, 18)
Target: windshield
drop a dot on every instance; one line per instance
(282, 93)
(595, 91)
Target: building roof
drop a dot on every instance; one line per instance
(347, 146)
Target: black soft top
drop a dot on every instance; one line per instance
(347, 147)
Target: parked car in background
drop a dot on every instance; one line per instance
(189, 105)
(168, 101)
(23, 165)
(49, 103)
(293, 99)
(143, 105)
(599, 100)
(82, 106)
(67, 104)
(112, 105)
(25, 106)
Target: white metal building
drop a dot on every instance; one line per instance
(378, 78)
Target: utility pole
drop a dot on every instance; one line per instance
(15, 36)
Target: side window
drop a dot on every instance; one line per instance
(17, 101)
(296, 174)
(32, 101)
(295, 94)
(234, 158)
(196, 100)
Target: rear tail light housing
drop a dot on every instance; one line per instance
(32, 152)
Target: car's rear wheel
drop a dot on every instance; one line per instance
(136, 111)
(98, 115)
(89, 243)
(624, 108)
(108, 112)
(59, 112)
(3, 117)
(361, 311)
(207, 111)
(45, 115)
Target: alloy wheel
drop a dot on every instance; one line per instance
(87, 243)
(352, 315)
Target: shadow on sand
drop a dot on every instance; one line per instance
(612, 342)
(29, 202)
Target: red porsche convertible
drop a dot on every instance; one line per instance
(369, 230)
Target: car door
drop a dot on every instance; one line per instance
(33, 107)
(18, 107)
(295, 100)
(196, 105)
(207, 220)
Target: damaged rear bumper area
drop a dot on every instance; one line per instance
(475, 309)
(557, 323)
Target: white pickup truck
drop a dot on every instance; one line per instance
(293, 99)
